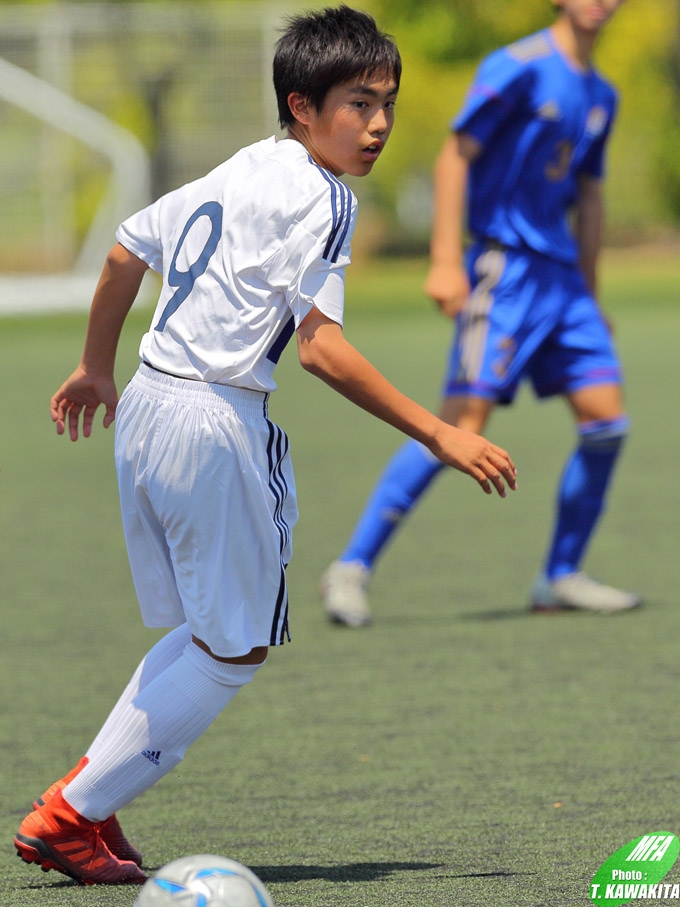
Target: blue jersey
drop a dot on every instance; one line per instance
(541, 122)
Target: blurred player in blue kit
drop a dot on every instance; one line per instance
(250, 254)
(524, 161)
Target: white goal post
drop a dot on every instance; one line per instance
(193, 79)
(130, 180)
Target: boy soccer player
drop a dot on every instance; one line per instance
(250, 254)
(525, 154)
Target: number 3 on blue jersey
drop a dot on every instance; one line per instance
(185, 280)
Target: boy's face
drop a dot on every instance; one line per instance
(588, 15)
(349, 132)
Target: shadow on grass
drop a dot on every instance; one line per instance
(499, 874)
(364, 872)
(523, 612)
(57, 883)
(351, 872)
(497, 614)
(502, 614)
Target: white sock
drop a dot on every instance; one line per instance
(150, 735)
(166, 651)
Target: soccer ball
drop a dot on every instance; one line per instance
(203, 881)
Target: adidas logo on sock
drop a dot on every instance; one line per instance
(153, 756)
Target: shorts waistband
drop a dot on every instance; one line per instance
(222, 397)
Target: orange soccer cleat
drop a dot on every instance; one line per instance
(110, 831)
(55, 836)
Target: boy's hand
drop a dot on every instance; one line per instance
(83, 393)
(449, 286)
(487, 463)
(324, 352)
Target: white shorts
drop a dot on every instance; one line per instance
(208, 503)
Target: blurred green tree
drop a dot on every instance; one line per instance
(442, 41)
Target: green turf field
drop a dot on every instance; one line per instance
(459, 751)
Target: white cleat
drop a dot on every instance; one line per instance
(343, 593)
(579, 592)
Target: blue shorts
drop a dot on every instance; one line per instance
(528, 317)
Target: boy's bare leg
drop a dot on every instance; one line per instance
(256, 656)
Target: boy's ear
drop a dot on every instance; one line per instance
(299, 107)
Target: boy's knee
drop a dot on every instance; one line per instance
(235, 673)
(256, 656)
(468, 412)
(604, 434)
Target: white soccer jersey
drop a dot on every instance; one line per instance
(245, 252)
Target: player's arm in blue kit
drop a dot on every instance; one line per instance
(493, 100)
(447, 281)
(588, 224)
(588, 220)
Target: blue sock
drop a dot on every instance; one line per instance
(406, 477)
(582, 492)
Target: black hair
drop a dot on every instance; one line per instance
(319, 50)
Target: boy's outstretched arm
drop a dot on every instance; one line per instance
(324, 352)
(92, 383)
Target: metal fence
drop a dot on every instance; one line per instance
(104, 105)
